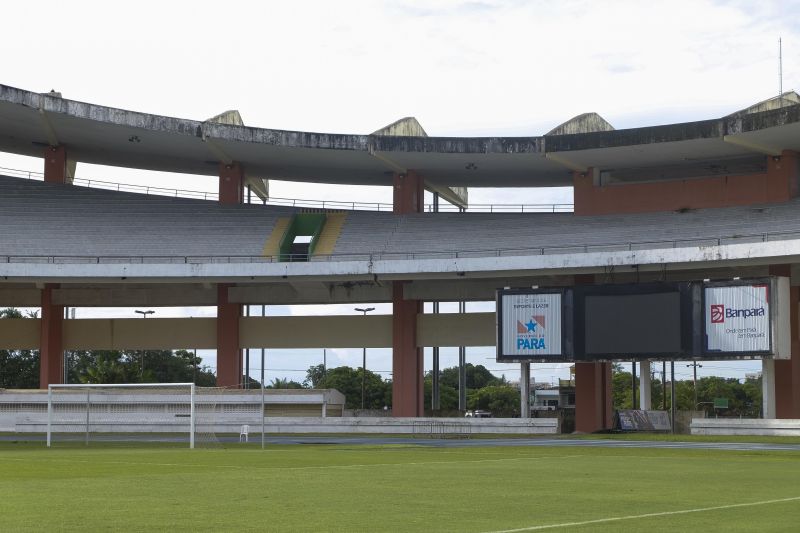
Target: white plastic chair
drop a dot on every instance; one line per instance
(244, 433)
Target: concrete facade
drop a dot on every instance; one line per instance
(746, 158)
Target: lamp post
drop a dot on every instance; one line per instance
(364, 360)
(144, 315)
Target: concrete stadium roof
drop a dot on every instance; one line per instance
(735, 144)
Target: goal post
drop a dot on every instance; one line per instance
(86, 411)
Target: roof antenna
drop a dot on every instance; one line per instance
(780, 72)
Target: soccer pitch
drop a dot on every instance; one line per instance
(396, 488)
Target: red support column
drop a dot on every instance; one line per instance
(407, 360)
(55, 164)
(409, 193)
(231, 183)
(787, 371)
(229, 359)
(594, 407)
(51, 345)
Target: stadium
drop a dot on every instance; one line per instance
(690, 208)
(696, 201)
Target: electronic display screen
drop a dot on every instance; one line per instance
(636, 324)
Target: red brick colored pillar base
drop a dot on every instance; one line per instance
(593, 406)
(229, 360)
(407, 382)
(787, 371)
(51, 347)
(231, 183)
(55, 164)
(409, 193)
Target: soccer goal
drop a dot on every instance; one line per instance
(141, 412)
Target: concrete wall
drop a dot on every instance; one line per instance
(752, 426)
(472, 329)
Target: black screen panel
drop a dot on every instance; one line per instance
(633, 323)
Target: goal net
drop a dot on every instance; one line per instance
(180, 413)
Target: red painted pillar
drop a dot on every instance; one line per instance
(409, 193)
(229, 359)
(787, 371)
(782, 176)
(231, 183)
(594, 408)
(55, 164)
(407, 360)
(51, 344)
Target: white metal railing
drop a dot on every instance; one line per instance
(293, 202)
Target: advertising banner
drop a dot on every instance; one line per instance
(636, 420)
(737, 318)
(530, 325)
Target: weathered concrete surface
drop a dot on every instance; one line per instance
(776, 102)
(584, 123)
(405, 127)
(105, 135)
(437, 266)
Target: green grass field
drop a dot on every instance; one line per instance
(395, 488)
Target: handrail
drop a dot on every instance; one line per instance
(401, 256)
(294, 202)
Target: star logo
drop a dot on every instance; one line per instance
(531, 325)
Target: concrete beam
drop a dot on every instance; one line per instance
(701, 257)
(742, 141)
(20, 297)
(170, 296)
(567, 162)
(372, 331)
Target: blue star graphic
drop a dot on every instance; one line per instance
(531, 325)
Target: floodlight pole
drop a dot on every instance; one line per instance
(364, 361)
(144, 315)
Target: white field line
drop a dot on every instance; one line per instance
(647, 515)
(292, 468)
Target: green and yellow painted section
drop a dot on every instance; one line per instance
(322, 227)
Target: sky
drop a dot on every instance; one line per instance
(462, 68)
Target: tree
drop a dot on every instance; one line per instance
(283, 383)
(448, 396)
(160, 366)
(19, 369)
(478, 377)
(620, 387)
(315, 376)
(378, 393)
(501, 400)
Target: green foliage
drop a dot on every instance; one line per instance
(315, 376)
(478, 376)
(160, 366)
(620, 387)
(448, 396)
(502, 400)
(283, 383)
(744, 399)
(19, 369)
(378, 393)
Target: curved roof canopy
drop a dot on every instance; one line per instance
(104, 135)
